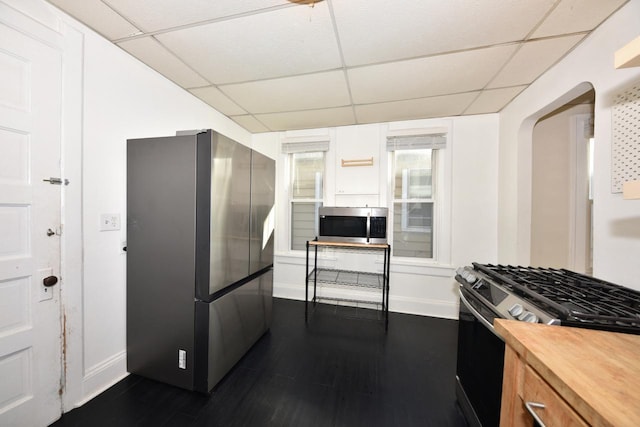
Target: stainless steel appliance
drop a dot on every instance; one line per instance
(353, 225)
(542, 295)
(199, 256)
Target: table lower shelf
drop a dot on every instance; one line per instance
(347, 278)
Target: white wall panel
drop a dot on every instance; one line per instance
(15, 373)
(14, 163)
(14, 84)
(15, 303)
(14, 230)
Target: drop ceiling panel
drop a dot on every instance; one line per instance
(250, 123)
(493, 100)
(218, 100)
(533, 59)
(152, 53)
(152, 15)
(98, 16)
(437, 106)
(436, 75)
(572, 16)
(308, 119)
(274, 64)
(294, 40)
(310, 91)
(373, 31)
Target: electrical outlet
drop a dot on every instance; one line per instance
(109, 222)
(182, 359)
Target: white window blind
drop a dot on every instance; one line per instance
(414, 142)
(304, 147)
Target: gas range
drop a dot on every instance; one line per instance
(528, 294)
(552, 296)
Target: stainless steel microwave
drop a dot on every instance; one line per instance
(353, 225)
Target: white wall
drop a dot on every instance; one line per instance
(108, 98)
(470, 173)
(616, 221)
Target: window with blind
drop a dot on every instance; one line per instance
(414, 193)
(306, 191)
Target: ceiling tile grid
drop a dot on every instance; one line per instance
(277, 65)
(309, 119)
(572, 16)
(434, 75)
(214, 97)
(305, 92)
(152, 53)
(99, 16)
(493, 100)
(278, 43)
(374, 31)
(155, 15)
(534, 58)
(437, 106)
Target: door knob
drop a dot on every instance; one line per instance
(50, 232)
(50, 281)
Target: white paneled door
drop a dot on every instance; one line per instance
(30, 321)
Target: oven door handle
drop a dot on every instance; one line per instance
(477, 314)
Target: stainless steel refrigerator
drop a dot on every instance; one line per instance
(199, 256)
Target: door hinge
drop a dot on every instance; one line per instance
(57, 181)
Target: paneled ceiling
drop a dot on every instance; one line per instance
(280, 65)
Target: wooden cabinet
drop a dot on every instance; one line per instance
(582, 377)
(526, 396)
(540, 399)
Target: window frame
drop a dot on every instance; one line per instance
(405, 200)
(291, 200)
(442, 190)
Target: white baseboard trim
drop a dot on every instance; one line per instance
(397, 304)
(102, 376)
(424, 307)
(288, 291)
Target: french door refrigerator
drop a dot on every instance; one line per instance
(200, 236)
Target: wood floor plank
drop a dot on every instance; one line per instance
(332, 371)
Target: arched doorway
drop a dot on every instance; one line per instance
(560, 186)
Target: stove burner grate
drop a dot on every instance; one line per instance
(569, 295)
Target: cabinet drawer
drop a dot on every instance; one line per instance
(556, 411)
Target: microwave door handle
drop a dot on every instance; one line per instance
(368, 226)
(477, 314)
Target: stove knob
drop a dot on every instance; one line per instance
(516, 310)
(529, 317)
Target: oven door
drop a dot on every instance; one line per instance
(480, 362)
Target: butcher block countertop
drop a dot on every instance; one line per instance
(597, 373)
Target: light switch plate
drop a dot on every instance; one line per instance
(109, 222)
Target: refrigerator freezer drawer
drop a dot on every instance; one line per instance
(229, 326)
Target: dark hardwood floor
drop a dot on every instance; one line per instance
(340, 369)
